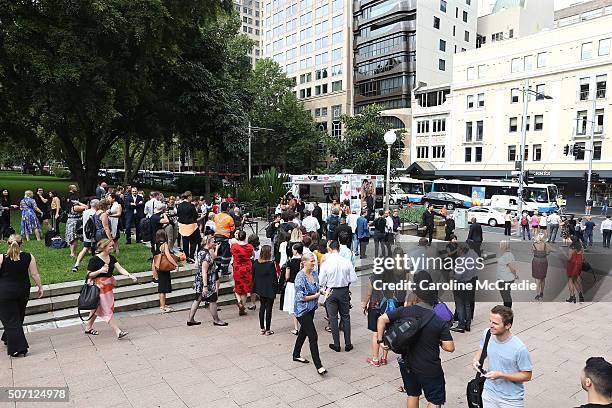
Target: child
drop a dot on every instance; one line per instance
(163, 263)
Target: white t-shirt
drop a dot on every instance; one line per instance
(503, 270)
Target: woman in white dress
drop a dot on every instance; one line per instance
(113, 216)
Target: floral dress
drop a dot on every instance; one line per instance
(198, 284)
(29, 221)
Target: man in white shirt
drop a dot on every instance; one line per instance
(390, 235)
(310, 223)
(337, 273)
(352, 222)
(606, 231)
(553, 226)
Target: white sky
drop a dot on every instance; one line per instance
(485, 6)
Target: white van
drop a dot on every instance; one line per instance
(511, 203)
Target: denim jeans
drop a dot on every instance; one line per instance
(355, 245)
(525, 228)
(554, 229)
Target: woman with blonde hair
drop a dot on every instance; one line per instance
(539, 263)
(29, 221)
(507, 272)
(75, 213)
(100, 270)
(16, 268)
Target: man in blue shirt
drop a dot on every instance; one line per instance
(588, 231)
(363, 233)
(509, 363)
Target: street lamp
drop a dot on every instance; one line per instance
(526, 92)
(390, 138)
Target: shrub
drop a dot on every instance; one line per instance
(413, 215)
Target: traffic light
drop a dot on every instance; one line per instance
(566, 149)
(577, 150)
(594, 177)
(528, 177)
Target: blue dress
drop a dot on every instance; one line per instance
(29, 221)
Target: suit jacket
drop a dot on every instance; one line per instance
(347, 230)
(137, 204)
(475, 233)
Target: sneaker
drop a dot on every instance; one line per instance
(375, 363)
(75, 268)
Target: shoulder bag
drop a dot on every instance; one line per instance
(475, 386)
(89, 297)
(165, 261)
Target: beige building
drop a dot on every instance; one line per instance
(312, 41)
(251, 22)
(573, 65)
(584, 11)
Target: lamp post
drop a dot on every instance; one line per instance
(390, 138)
(591, 150)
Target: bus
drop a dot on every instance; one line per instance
(413, 188)
(543, 196)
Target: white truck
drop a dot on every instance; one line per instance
(507, 202)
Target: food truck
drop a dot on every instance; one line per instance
(358, 189)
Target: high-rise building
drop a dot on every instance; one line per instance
(251, 19)
(312, 41)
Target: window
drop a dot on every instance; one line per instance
(322, 27)
(442, 45)
(468, 2)
(537, 152)
(423, 126)
(529, 60)
(306, 48)
(468, 131)
(324, 111)
(540, 92)
(586, 51)
(436, 22)
(306, 63)
(306, 18)
(466, 36)
(443, 6)
(600, 85)
(337, 21)
(454, 30)
(516, 64)
(321, 58)
(479, 131)
(468, 154)
(422, 152)
(438, 152)
(584, 88)
(439, 125)
(541, 60)
(511, 153)
(337, 38)
(336, 54)
(597, 150)
(336, 86)
(514, 95)
(480, 100)
(305, 33)
(526, 152)
(470, 101)
(581, 122)
(336, 70)
(290, 68)
(336, 128)
(318, 90)
(441, 65)
(471, 73)
(511, 33)
(456, 12)
(478, 155)
(513, 124)
(538, 123)
(482, 71)
(604, 47)
(321, 11)
(599, 121)
(336, 111)
(580, 155)
(321, 43)
(292, 24)
(465, 16)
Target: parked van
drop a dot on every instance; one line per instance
(511, 203)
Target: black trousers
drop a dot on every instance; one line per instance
(429, 232)
(132, 220)
(606, 238)
(508, 228)
(265, 312)
(505, 294)
(4, 225)
(190, 244)
(12, 313)
(307, 329)
(380, 241)
(339, 302)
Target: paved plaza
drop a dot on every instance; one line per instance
(164, 363)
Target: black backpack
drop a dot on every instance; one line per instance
(49, 235)
(90, 228)
(404, 331)
(145, 229)
(270, 231)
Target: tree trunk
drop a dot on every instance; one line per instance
(127, 163)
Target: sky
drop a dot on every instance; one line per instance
(485, 6)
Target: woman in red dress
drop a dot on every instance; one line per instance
(243, 276)
(574, 269)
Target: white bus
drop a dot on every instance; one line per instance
(543, 196)
(413, 188)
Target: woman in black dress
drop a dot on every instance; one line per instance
(5, 214)
(43, 203)
(14, 294)
(161, 274)
(265, 284)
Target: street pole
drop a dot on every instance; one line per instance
(249, 150)
(591, 149)
(387, 186)
(522, 149)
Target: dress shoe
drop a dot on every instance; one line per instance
(457, 329)
(220, 323)
(337, 349)
(349, 347)
(193, 323)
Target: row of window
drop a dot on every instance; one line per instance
(600, 87)
(307, 32)
(436, 24)
(478, 99)
(437, 152)
(438, 125)
(538, 123)
(383, 46)
(385, 64)
(537, 152)
(322, 89)
(527, 63)
(320, 74)
(582, 121)
(443, 8)
(469, 131)
(336, 111)
(586, 50)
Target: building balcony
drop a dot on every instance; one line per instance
(394, 28)
(383, 95)
(403, 6)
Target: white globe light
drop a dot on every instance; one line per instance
(390, 137)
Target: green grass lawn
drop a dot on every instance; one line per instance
(54, 265)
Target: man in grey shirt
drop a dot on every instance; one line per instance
(553, 226)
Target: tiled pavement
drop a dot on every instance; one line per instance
(164, 363)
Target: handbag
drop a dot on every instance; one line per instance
(163, 263)
(475, 386)
(89, 298)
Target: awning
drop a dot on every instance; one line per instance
(421, 168)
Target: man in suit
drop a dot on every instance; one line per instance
(428, 221)
(317, 212)
(474, 238)
(134, 212)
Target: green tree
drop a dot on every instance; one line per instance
(362, 147)
(292, 144)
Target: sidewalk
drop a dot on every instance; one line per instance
(164, 363)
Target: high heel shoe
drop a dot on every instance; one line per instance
(580, 297)
(19, 353)
(572, 299)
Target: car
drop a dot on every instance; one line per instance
(398, 196)
(448, 200)
(487, 215)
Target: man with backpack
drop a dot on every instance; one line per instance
(333, 220)
(89, 232)
(420, 345)
(525, 225)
